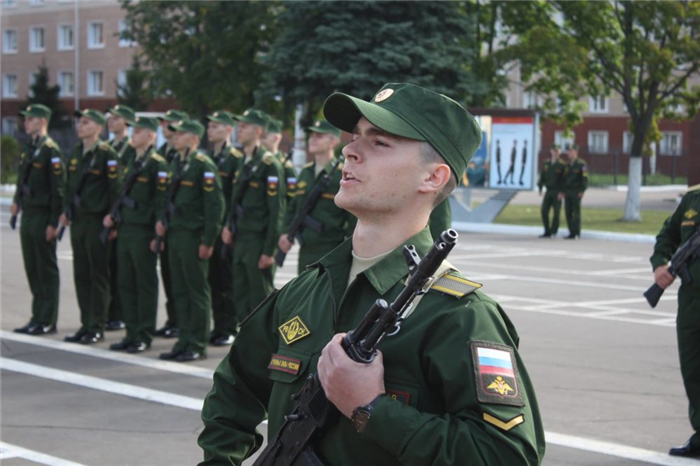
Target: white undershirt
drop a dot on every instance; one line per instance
(360, 264)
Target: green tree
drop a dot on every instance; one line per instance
(356, 47)
(10, 160)
(136, 92)
(645, 52)
(205, 54)
(43, 93)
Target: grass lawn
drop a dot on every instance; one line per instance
(607, 179)
(591, 219)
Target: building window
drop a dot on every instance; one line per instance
(9, 41)
(627, 142)
(671, 143)
(530, 100)
(66, 83)
(121, 78)
(36, 39)
(124, 42)
(598, 142)
(9, 126)
(95, 83)
(36, 2)
(65, 37)
(9, 85)
(96, 38)
(598, 104)
(32, 80)
(9, 3)
(563, 141)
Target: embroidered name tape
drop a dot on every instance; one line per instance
(284, 364)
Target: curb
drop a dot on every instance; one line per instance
(668, 188)
(519, 230)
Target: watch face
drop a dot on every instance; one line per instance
(361, 420)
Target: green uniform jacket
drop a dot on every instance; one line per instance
(676, 231)
(227, 161)
(168, 152)
(338, 224)
(290, 175)
(47, 177)
(576, 177)
(434, 414)
(263, 200)
(102, 187)
(124, 150)
(552, 176)
(148, 191)
(199, 202)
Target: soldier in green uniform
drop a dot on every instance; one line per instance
(676, 231)
(337, 224)
(227, 160)
(40, 190)
(167, 150)
(450, 386)
(94, 177)
(138, 279)
(256, 212)
(195, 221)
(118, 119)
(575, 183)
(552, 177)
(271, 141)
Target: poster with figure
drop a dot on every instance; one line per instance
(512, 149)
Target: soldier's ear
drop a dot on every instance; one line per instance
(437, 177)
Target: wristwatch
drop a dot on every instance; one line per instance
(361, 414)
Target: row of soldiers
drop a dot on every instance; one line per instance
(565, 177)
(217, 220)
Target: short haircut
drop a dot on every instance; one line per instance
(428, 155)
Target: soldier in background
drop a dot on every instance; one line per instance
(39, 195)
(271, 141)
(552, 178)
(575, 184)
(227, 160)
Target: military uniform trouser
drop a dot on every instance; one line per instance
(115, 307)
(40, 265)
(221, 283)
(167, 287)
(91, 270)
(311, 254)
(188, 274)
(551, 202)
(573, 212)
(138, 282)
(688, 331)
(250, 284)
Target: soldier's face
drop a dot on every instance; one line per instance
(142, 138)
(88, 128)
(32, 125)
(182, 140)
(116, 124)
(248, 132)
(217, 132)
(270, 140)
(167, 134)
(321, 143)
(382, 172)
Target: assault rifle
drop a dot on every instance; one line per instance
(123, 200)
(238, 212)
(76, 201)
(314, 414)
(24, 189)
(679, 266)
(170, 207)
(304, 218)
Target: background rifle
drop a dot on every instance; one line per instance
(304, 219)
(237, 207)
(24, 190)
(679, 266)
(123, 200)
(314, 414)
(75, 202)
(170, 207)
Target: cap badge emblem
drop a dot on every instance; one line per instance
(383, 95)
(318, 124)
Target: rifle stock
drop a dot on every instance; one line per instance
(688, 251)
(653, 294)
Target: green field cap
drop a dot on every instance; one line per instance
(174, 115)
(416, 113)
(122, 111)
(255, 117)
(274, 125)
(322, 126)
(91, 113)
(189, 126)
(145, 123)
(222, 117)
(37, 110)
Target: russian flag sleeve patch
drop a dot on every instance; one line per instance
(496, 374)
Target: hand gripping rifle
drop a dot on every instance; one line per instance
(314, 414)
(24, 189)
(170, 207)
(76, 201)
(304, 218)
(123, 200)
(679, 266)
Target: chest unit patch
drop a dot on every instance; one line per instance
(294, 330)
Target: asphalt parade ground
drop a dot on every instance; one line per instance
(604, 364)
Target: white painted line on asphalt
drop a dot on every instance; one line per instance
(95, 383)
(646, 270)
(476, 275)
(8, 451)
(619, 451)
(167, 366)
(554, 271)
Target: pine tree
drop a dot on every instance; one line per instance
(43, 93)
(136, 92)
